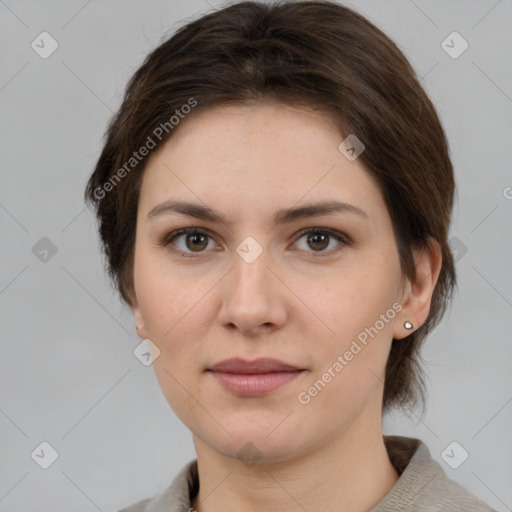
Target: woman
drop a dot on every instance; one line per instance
(274, 198)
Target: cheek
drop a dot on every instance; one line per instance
(166, 298)
(178, 388)
(357, 307)
(350, 298)
(175, 309)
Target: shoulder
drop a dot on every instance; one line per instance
(423, 485)
(441, 493)
(449, 495)
(174, 498)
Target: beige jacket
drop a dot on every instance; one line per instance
(422, 487)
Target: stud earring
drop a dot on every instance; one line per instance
(408, 325)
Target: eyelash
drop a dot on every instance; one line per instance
(340, 237)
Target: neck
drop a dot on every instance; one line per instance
(351, 472)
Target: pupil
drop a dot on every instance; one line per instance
(316, 239)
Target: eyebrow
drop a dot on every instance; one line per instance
(282, 216)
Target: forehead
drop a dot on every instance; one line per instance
(265, 154)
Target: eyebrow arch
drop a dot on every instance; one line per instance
(282, 216)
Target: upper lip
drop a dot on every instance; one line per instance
(261, 365)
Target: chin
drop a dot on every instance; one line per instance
(252, 444)
(250, 451)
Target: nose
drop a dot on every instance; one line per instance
(254, 298)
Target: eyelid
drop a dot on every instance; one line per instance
(341, 237)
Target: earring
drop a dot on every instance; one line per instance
(408, 325)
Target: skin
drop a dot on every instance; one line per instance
(291, 303)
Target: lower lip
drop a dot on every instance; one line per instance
(248, 385)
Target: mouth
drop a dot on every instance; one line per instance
(258, 366)
(254, 378)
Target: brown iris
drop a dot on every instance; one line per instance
(199, 241)
(318, 238)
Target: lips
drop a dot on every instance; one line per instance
(261, 365)
(253, 378)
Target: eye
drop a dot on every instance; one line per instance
(319, 238)
(197, 241)
(194, 239)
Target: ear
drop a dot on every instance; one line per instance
(417, 294)
(139, 321)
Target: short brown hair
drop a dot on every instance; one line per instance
(314, 54)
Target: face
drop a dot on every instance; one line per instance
(305, 287)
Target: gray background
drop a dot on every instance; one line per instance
(68, 375)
